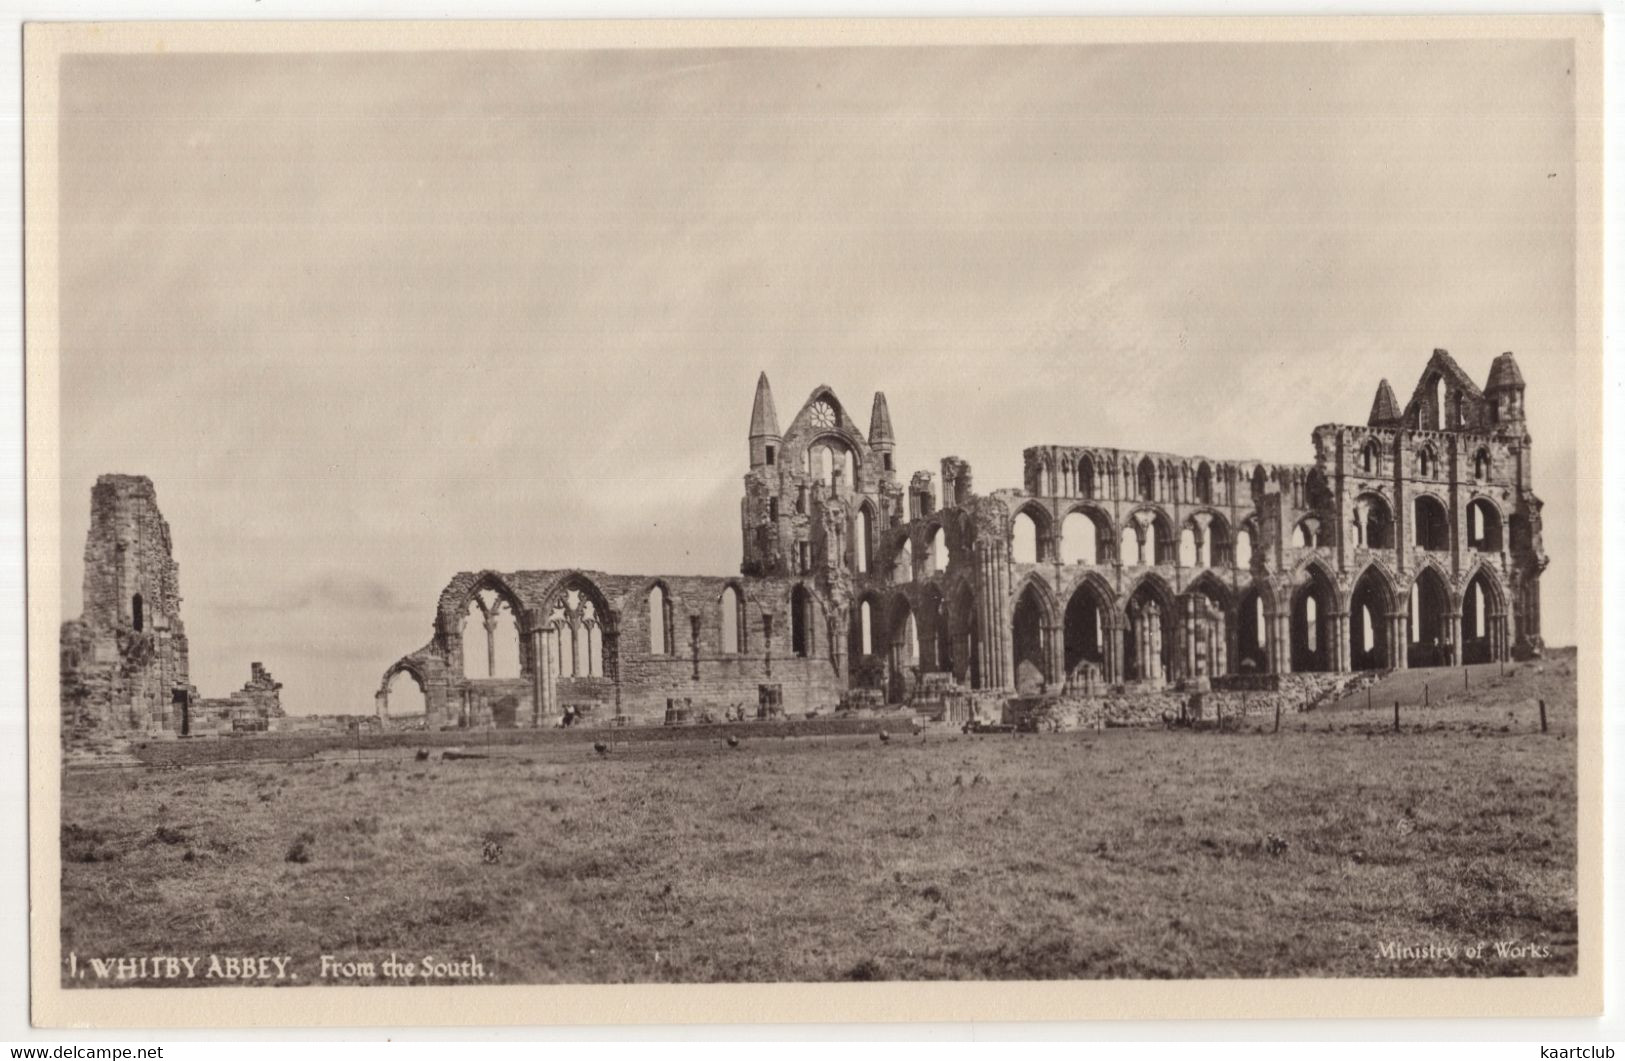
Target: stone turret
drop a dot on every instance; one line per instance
(766, 442)
(881, 439)
(1504, 391)
(1384, 407)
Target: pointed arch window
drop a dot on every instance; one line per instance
(660, 631)
(733, 621)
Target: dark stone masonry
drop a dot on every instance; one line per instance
(1413, 540)
(124, 660)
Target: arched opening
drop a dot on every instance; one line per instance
(1204, 484)
(1432, 525)
(1157, 544)
(1084, 629)
(661, 636)
(1024, 548)
(1429, 620)
(1481, 465)
(1427, 463)
(861, 632)
(1190, 551)
(578, 641)
(1148, 640)
(1146, 480)
(1369, 607)
(1086, 477)
(1244, 548)
(1209, 630)
(1371, 458)
(404, 695)
(732, 609)
(1439, 394)
(1373, 526)
(1080, 544)
(863, 539)
(939, 551)
(1480, 616)
(1128, 547)
(490, 637)
(138, 613)
(1027, 630)
(1483, 526)
(940, 637)
(1260, 481)
(907, 634)
(801, 622)
(1313, 608)
(1252, 648)
(1217, 548)
(1307, 533)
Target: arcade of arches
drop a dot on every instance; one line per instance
(1411, 540)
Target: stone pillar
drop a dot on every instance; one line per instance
(547, 662)
(490, 646)
(994, 569)
(380, 701)
(1340, 660)
(1399, 641)
(1280, 643)
(1453, 632)
(837, 644)
(1054, 657)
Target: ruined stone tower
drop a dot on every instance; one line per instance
(124, 660)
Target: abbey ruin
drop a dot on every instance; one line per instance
(124, 661)
(1413, 540)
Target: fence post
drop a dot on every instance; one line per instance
(1277, 716)
(1424, 694)
(1396, 716)
(1466, 677)
(1543, 716)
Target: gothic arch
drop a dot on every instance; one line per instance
(1499, 601)
(1106, 534)
(584, 642)
(1373, 605)
(1486, 524)
(1312, 626)
(661, 608)
(1032, 618)
(1430, 522)
(1043, 530)
(1431, 602)
(455, 599)
(408, 667)
(1212, 586)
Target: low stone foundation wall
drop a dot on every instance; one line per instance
(1143, 707)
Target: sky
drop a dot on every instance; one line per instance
(368, 320)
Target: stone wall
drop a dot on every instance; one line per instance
(249, 709)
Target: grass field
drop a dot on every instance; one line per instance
(1121, 853)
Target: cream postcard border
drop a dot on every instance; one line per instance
(44, 46)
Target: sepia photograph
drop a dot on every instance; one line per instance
(1035, 504)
